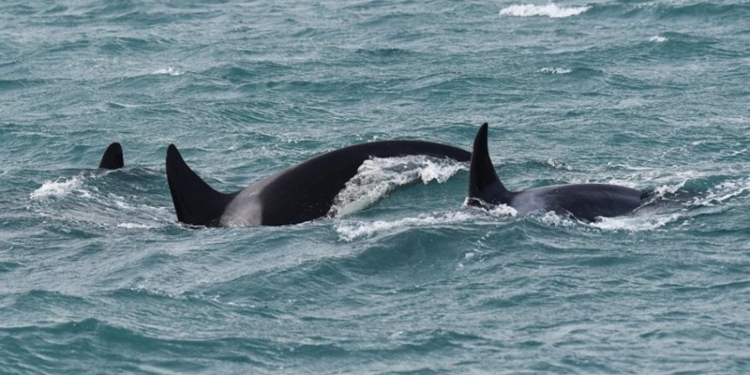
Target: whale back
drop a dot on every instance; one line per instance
(297, 194)
(586, 202)
(307, 190)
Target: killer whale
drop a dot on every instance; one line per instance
(112, 158)
(585, 202)
(300, 193)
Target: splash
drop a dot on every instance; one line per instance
(556, 70)
(503, 211)
(377, 177)
(58, 188)
(669, 189)
(558, 164)
(550, 10)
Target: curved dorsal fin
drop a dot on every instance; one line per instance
(112, 158)
(484, 184)
(195, 202)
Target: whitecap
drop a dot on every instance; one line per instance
(550, 10)
(658, 39)
(556, 70)
(668, 189)
(134, 226)
(377, 177)
(351, 231)
(58, 188)
(168, 71)
(722, 192)
(558, 164)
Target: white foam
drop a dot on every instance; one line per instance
(60, 187)
(635, 223)
(550, 10)
(723, 192)
(503, 211)
(168, 71)
(556, 70)
(658, 39)
(376, 177)
(558, 165)
(134, 226)
(664, 190)
(351, 231)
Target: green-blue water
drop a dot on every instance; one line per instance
(97, 277)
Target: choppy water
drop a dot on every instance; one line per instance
(97, 277)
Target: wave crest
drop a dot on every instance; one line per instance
(378, 176)
(354, 230)
(58, 188)
(550, 10)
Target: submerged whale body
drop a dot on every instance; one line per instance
(112, 158)
(297, 194)
(585, 202)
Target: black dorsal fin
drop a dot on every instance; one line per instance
(112, 158)
(195, 202)
(484, 185)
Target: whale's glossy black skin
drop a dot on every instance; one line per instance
(585, 202)
(297, 194)
(112, 158)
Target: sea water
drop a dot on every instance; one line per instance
(96, 275)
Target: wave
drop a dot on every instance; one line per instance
(703, 10)
(673, 202)
(168, 71)
(350, 231)
(722, 192)
(377, 177)
(58, 188)
(550, 10)
(556, 70)
(124, 199)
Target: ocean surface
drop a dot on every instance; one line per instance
(97, 277)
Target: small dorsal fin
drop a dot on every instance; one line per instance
(484, 184)
(112, 158)
(195, 202)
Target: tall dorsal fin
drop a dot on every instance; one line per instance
(195, 202)
(112, 158)
(483, 181)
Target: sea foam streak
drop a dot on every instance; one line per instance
(351, 231)
(550, 10)
(636, 223)
(378, 176)
(723, 192)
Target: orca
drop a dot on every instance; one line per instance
(112, 158)
(584, 202)
(300, 193)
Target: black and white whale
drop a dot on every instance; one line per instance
(112, 158)
(585, 202)
(297, 194)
